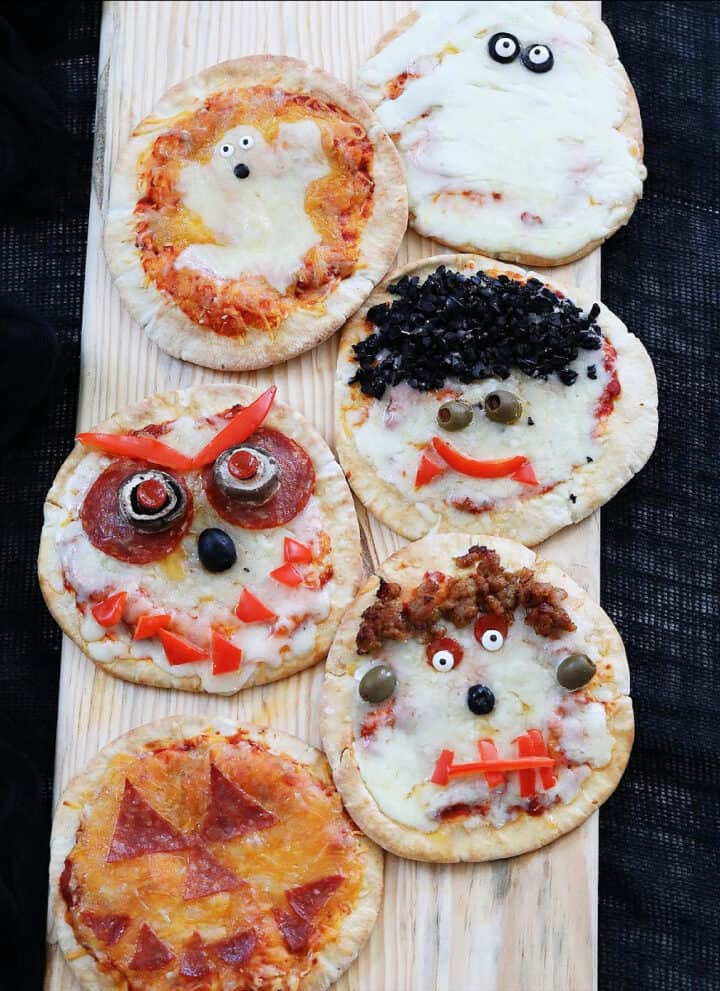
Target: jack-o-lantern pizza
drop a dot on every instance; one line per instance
(203, 540)
(205, 854)
(252, 212)
(475, 702)
(517, 124)
(472, 395)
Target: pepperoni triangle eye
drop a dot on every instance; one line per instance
(490, 631)
(444, 654)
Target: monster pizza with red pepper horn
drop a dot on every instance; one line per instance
(474, 396)
(476, 702)
(203, 540)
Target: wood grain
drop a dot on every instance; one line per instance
(523, 925)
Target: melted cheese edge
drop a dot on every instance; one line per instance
(496, 155)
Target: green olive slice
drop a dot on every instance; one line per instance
(575, 671)
(377, 684)
(455, 414)
(503, 406)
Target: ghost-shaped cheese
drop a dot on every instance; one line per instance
(251, 196)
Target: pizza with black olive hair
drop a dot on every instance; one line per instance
(204, 540)
(252, 212)
(517, 125)
(475, 703)
(472, 395)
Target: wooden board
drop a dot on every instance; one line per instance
(527, 924)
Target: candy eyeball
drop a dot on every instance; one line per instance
(492, 640)
(246, 141)
(503, 47)
(537, 58)
(444, 654)
(443, 660)
(490, 631)
(227, 150)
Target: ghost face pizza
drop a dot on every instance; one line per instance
(475, 703)
(203, 540)
(517, 125)
(191, 854)
(252, 212)
(474, 396)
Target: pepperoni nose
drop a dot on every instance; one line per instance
(241, 171)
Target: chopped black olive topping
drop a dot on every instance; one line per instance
(591, 371)
(573, 498)
(471, 327)
(589, 459)
(531, 422)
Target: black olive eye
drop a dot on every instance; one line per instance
(503, 47)
(537, 58)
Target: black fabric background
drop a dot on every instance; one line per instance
(659, 833)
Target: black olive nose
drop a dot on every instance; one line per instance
(241, 170)
(480, 700)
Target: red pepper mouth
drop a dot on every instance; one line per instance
(532, 756)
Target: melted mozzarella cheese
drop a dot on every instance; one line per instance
(259, 222)
(496, 155)
(431, 715)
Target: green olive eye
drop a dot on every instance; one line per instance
(575, 671)
(377, 684)
(454, 415)
(503, 406)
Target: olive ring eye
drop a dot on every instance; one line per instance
(537, 58)
(492, 640)
(503, 47)
(246, 141)
(227, 150)
(443, 660)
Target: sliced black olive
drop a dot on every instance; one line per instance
(537, 58)
(480, 700)
(503, 406)
(503, 47)
(455, 415)
(247, 473)
(216, 550)
(377, 684)
(241, 171)
(575, 671)
(151, 500)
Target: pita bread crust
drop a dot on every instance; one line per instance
(330, 489)
(451, 842)
(631, 128)
(155, 311)
(629, 439)
(334, 958)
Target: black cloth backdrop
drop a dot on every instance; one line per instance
(658, 834)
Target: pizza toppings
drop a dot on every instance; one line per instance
(296, 931)
(152, 500)
(287, 574)
(236, 949)
(305, 903)
(503, 406)
(179, 650)
(490, 631)
(248, 474)
(491, 765)
(480, 700)
(231, 811)
(242, 424)
(207, 876)
(150, 952)
(295, 552)
(226, 657)
(455, 414)
(251, 610)
(377, 684)
(497, 468)
(537, 58)
(109, 928)
(216, 550)
(109, 612)
(140, 830)
(149, 625)
(444, 653)
(503, 47)
(194, 960)
(575, 671)
(428, 469)
(139, 447)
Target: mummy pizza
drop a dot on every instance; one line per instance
(203, 540)
(471, 395)
(475, 702)
(517, 125)
(252, 212)
(197, 855)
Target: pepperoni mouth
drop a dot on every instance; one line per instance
(532, 756)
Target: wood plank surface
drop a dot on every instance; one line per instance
(527, 924)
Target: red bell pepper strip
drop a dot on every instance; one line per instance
(547, 775)
(527, 777)
(178, 650)
(109, 611)
(525, 474)
(226, 657)
(500, 766)
(287, 574)
(294, 551)
(428, 469)
(150, 624)
(238, 429)
(251, 610)
(476, 469)
(488, 752)
(138, 447)
(444, 763)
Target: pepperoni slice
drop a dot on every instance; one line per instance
(150, 952)
(296, 931)
(110, 532)
(108, 928)
(207, 876)
(236, 949)
(231, 811)
(194, 961)
(297, 480)
(139, 829)
(307, 900)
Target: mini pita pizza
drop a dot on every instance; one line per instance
(203, 540)
(517, 125)
(475, 703)
(472, 395)
(202, 853)
(252, 212)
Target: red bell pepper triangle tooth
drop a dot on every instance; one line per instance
(238, 429)
(527, 777)
(178, 650)
(226, 657)
(488, 751)
(109, 612)
(476, 469)
(525, 474)
(296, 553)
(150, 624)
(440, 775)
(138, 447)
(428, 469)
(547, 775)
(287, 574)
(251, 610)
